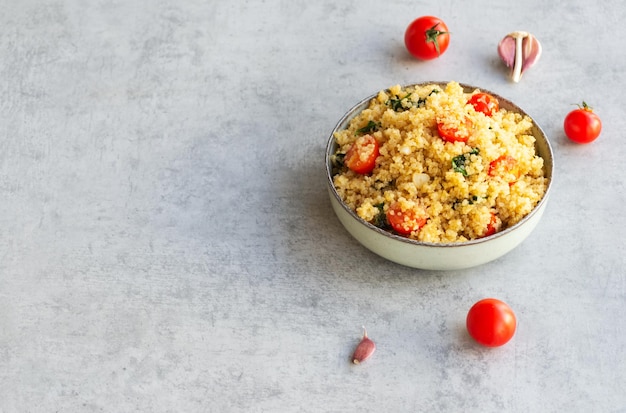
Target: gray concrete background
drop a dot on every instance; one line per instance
(167, 244)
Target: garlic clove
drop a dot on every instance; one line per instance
(531, 51)
(506, 50)
(364, 350)
(520, 51)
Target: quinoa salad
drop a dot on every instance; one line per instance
(438, 164)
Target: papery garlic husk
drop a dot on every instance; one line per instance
(520, 51)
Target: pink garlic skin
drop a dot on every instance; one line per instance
(519, 51)
(364, 350)
(506, 50)
(531, 51)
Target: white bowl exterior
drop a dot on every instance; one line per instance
(430, 256)
(434, 257)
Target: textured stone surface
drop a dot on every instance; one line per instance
(166, 241)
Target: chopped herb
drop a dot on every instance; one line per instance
(370, 127)
(470, 201)
(421, 102)
(338, 159)
(381, 218)
(396, 103)
(399, 104)
(459, 162)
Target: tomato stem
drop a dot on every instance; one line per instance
(584, 106)
(431, 36)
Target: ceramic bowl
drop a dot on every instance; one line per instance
(438, 256)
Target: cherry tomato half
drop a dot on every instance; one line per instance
(485, 103)
(427, 37)
(492, 227)
(491, 322)
(361, 157)
(582, 125)
(405, 221)
(455, 131)
(505, 166)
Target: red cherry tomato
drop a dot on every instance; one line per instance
(493, 225)
(491, 322)
(485, 103)
(505, 166)
(455, 131)
(361, 157)
(427, 37)
(405, 221)
(582, 125)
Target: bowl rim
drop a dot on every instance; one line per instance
(362, 104)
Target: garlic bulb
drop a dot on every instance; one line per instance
(519, 51)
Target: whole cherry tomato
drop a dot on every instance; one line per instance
(427, 37)
(485, 103)
(582, 125)
(491, 322)
(361, 157)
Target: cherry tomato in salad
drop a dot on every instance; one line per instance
(582, 125)
(491, 322)
(485, 103)
(404, 221)
(455, 131)
(361, 157)
(493, 225)
(427, 37)
(505, 166)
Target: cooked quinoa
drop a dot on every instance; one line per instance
(460, 190)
